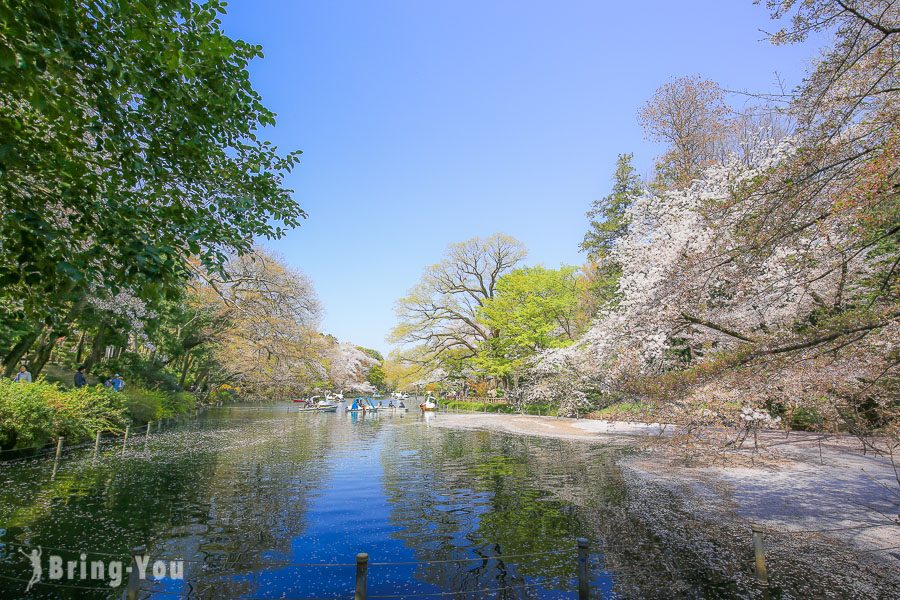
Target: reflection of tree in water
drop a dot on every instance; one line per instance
(254, 503)
(478, 495)
(231, 499)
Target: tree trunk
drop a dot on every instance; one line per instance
(59, 332)
(42, 356)
(98, 346)
(11, 361)
(184, 370)
(79, 350)
(201, 380)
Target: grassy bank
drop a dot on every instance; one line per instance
(33, 414)
(494, 407)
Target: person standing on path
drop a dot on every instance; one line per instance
(23, 376)
(80, 379)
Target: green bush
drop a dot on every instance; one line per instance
(805, 419)
(177, 403)
(144, 405)
(501, 407)
(32, 414)
(152, 405)
(142, 372)
(91, 409)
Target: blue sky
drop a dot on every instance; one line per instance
(425, 123)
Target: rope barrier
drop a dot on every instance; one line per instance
(475, 591)
(66, 550)
(41, 451)
(473, 559)
(293, 564)
(105, 589)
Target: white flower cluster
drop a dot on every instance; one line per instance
(348, 366)
(684, 263)
(127, 305)
(754, 416)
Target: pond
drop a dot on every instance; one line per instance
(272, 503)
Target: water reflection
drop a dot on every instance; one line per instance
(256, 500)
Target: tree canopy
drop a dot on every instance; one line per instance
(130, 144)
(534, 308)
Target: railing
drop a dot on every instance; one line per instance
(362, 565)
(360, 592)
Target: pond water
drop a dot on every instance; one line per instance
(272, 503)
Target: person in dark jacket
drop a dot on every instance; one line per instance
(80, 379)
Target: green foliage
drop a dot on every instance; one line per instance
(377, 377)
(145, 405)
(129, 145)
(502, 407)
(177, 403)
(534, 308)
(608, 221)
(32, 414)
(140, 371)
(373, 353)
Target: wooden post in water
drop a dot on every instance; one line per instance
(96, 447)
(59, 446)
(584, 590)
(362, 570)
(125, 439)
(134, 578)
(759, 550)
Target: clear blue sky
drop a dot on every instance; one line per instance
(424, 123)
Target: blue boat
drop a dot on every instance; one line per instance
(361, 404)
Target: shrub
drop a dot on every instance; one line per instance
(152, 405)
(142, 372)
(26, 418)
(33, 414)
(83, 412)
(177, 403)
(144, 405)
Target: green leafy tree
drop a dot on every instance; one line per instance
(437, 319)
(376, 376)
(130, 143)
(534, 308)
(608, 220)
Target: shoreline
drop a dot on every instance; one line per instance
(804, 486)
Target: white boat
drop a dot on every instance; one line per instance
(326, 406)
(317, 404)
